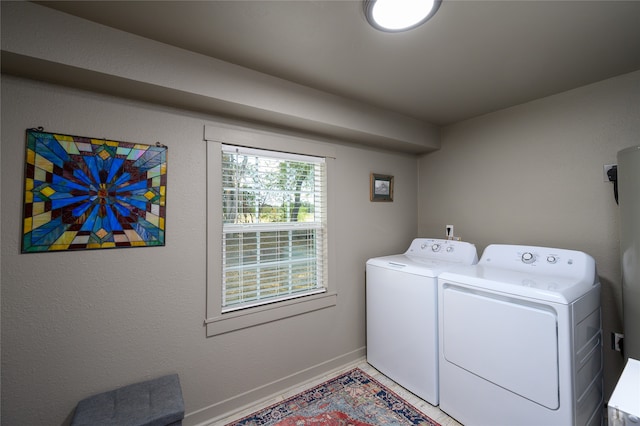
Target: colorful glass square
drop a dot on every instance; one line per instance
(82, 193)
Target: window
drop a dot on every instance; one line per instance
(273, 242)
(269, 245)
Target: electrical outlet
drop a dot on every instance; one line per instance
(449, 231)
(616, 341)
(608, 167)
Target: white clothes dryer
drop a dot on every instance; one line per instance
(521, 339)
(401, 303)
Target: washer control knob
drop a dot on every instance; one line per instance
(449, 249)
(423, 246)
(435, 247)
(552, 259)
(528, 257)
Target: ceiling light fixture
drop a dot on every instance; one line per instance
(399, 15)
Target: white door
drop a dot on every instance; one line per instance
(628, 179)
(509, 342)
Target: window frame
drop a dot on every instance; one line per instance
(219, 322)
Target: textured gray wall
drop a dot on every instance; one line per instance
(533, 174)
(78, 323)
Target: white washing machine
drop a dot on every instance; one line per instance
(521, 339)
(402, 302)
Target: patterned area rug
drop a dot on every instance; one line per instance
(353, 398)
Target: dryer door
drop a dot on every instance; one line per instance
(509, 342)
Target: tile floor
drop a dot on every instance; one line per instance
(433, 412)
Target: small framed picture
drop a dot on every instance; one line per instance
(381, 187)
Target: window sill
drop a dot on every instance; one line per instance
(237, 320)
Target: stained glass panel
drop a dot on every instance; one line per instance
(82, 193)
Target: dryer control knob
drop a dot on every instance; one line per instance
(552, 259)
(449, 249)
(435, 247)
(528, 257)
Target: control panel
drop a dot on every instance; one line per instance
(537, 260)
(450, 250)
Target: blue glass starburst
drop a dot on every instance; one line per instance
(83, 193)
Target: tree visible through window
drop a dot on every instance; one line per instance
(273, 226)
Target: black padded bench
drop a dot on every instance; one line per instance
(156, 402)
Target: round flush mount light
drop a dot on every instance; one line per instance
(399, 15)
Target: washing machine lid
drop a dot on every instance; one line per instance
(547, 288)
(429, 257)
(412, 265)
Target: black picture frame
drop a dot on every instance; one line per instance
(381, 187)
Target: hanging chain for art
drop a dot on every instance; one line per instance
(85, 193)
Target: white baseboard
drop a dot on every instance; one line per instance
(210, 415)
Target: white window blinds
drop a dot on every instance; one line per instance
(274, 226)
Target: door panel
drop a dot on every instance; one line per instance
(509, 342)
(402, 339)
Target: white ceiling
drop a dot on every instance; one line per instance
(471, 58)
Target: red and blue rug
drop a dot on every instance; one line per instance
(353, 398)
